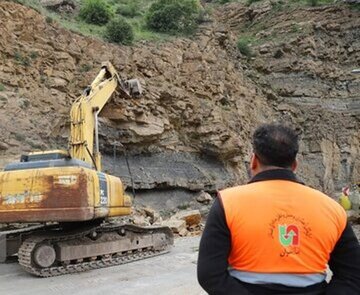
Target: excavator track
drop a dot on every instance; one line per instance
(79, 240)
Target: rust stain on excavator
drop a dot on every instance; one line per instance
(57, 198)
(66, 194)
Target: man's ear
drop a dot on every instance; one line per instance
(254, 162)
(294, 165)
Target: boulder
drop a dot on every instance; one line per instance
(183, 232)
(59, 5)
(176, 225)
(149, 212)
(192, 217)
(204, 197)
(140, 220)
(152, 215)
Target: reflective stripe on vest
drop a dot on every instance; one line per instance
(280, 226)
(291, 280)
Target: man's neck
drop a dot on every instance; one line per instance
(267, 168)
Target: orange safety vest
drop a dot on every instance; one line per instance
(280, 226)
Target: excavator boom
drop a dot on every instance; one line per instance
(84, 113)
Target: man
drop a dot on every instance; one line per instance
(276, 235)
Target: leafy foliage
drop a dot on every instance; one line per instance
(119, 31)
(95, 12)
(173, 16)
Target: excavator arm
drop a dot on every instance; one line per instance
(85, 110)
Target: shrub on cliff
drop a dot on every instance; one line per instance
(95, 12)
(173, 16)
(119, 31)
(243, 45)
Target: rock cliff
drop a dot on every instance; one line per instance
(190, 130)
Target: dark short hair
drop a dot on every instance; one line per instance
(275, 145)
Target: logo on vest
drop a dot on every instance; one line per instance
(289, 235)
(288, 230)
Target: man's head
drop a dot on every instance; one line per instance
(275, 146)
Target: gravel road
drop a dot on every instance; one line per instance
(172, 273)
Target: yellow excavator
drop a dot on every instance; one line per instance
(69, 199)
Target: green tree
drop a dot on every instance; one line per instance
(95, 12)
(119, 31)
(173, 16)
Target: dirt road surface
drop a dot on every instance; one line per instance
(173, 273)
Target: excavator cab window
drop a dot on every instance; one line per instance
(43, 157)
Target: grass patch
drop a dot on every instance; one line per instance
(2, 87)
(224, 1)
(129, 10)
(49, 20)
(24, 104)
(141, 32)
(278, 6)
(22, 59)
(84, 68)
(310, 2)
(19, 137)
(34, 55)
(319, 2)
(133, 12)
(295, 28)
(355, 6)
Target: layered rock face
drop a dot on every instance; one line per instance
(304, 58)
(191, 129)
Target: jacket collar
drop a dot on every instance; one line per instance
(276, 174)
